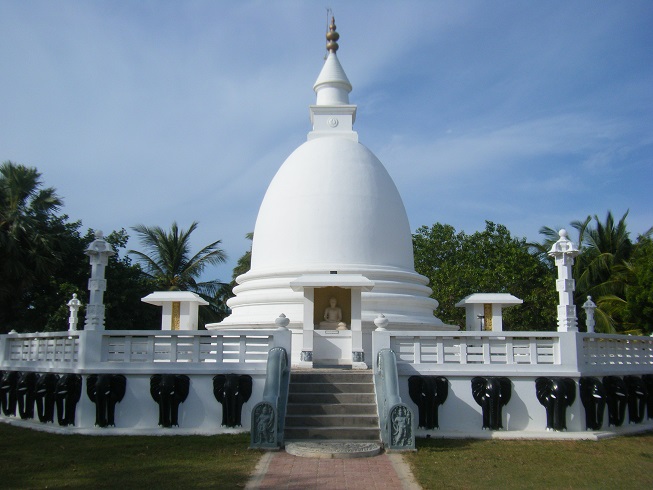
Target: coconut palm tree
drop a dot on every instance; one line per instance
(30, 231)
(167, 261)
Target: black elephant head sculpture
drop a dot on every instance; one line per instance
(169, 390)
(556, 394)
(44, 394)
(636, 398)
(105, 390)
(648, 383)
(232, 391)
(428, 393)
(617, 399)
(8, 392)
(593, 397)
(25, 391)
(67, 394)
(492, 394)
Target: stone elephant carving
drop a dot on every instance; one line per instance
(67, 394)
(636, 398)
(105, 390)
(232, 391)
(44, 394)
(617, 399)
(428, 393)
(593, 397)
(648, 383)
(168, 391)
(556, 394)
(8, 392)
(25, 391)
(492, 394)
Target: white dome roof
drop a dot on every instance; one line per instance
(332, 204)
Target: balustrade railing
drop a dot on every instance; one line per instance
(46, 347)
(616, 350)
(476, 348)
(246, 347)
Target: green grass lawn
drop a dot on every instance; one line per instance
(31, 459)
(620, 462)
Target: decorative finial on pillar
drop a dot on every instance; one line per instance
(332, 36)
(282, 321)
(381, 322)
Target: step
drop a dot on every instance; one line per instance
(333, 449)
(331, 388)
(346, 377)
(331, 433)
(354, 421)
(331, 409)
(326, 398)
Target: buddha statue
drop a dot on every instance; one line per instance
(333, 317)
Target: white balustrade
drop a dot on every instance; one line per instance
(617, 351)
(108, 348)
(475, 348)
(45, 347)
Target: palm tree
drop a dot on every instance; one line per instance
(29, 231)
(601, 269)
(168, 263)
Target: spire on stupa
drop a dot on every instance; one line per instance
(332, 86)
(332, 114)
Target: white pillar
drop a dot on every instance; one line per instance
(73, 306)
(357, 353)
(306, 355)
(564, 251)
(99, 252)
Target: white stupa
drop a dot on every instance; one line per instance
(332, 228)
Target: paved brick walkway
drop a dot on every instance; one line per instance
(280, 470)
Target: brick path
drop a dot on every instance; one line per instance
(280, 470)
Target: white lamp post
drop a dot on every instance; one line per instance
(589, 308)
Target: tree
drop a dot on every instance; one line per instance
(487, 261)
(602, 269)
(639, 291)
(168, 264)
(31, 236)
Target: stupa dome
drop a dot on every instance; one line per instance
(332, 205)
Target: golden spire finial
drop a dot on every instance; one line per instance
(332, 36)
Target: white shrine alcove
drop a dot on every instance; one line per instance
(332, 345)
(486, 309)
(180, 308)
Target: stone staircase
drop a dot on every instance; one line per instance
(331, 404)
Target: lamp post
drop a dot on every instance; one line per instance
(589, 308)
(564, 251)
(73, 305)
(98, 252)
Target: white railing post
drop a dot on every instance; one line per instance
(570, 348)
(90, 348)
(380, 337)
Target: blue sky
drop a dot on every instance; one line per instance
(522, 113)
